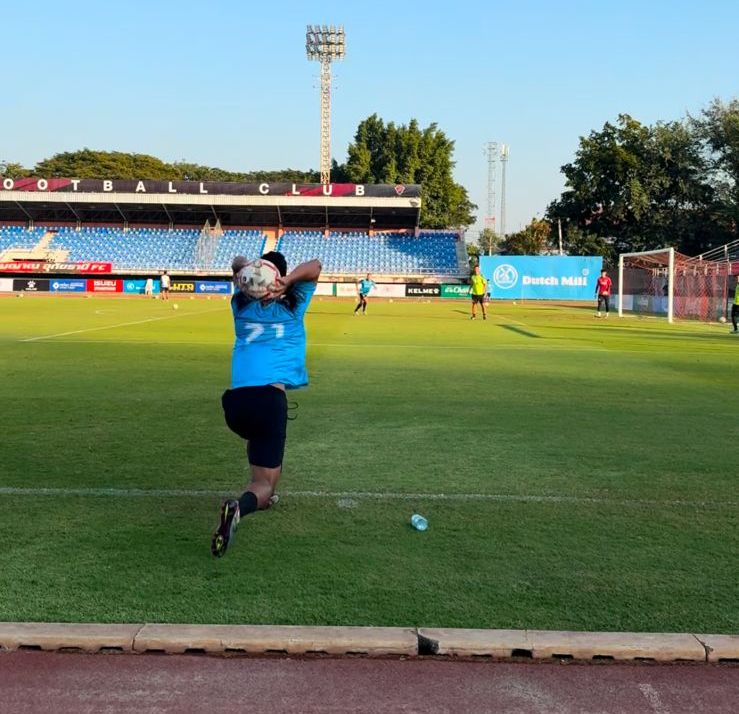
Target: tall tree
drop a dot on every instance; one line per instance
(534, 239)
(576, 241)
(9, 169)
(87, 163)
(718, 127)
(640, 187)
(389, 153)
(488, 241)
(104, 164)
(473, 254)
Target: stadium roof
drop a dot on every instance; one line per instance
(346, 206)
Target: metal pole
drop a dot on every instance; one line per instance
(559, 230)
(491, 149)
(671, 285)
(503, 164)
(325, 120)
(325, 44)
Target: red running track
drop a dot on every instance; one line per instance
(45, 682)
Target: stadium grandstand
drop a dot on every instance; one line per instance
(196, 228)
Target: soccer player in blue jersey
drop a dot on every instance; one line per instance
(365, 287)
(268, 359)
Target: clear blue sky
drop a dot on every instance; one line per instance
(226, 82)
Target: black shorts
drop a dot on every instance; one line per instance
(259, 415)
(165, 290)
(478, 299)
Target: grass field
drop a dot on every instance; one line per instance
(576, 473)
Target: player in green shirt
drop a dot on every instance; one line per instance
(735, 309)
(478, 288)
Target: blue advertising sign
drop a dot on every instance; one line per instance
(551, 277)
(68, 286)
(210, 287)
(138, 286)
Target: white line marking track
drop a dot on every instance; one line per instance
(112, 327)
(358, 495)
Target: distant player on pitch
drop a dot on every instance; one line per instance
(164, 287)
(363, 290)
(268, 359)
(735, 310)
(603, 291)
(478, 288)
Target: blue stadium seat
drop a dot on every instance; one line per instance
(247, 243)
(154, 248)
(19, 237)
(356, 253)
(352, 253)
(136, 249)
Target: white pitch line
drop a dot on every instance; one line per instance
(652, 696)
(476, 348)
(511, 320)
(543, 344)
(112, 327)
(356, 495)
(340, 345)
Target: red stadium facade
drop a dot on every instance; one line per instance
(48, 221)
(55, 201)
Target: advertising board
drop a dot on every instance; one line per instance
(78, 285)
(32, 285)
(419, 290)
(104, 286)
(455, 291)
(517, 277)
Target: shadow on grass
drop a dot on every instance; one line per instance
(520, 331)
(640, 331)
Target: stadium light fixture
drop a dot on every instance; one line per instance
(325, 44)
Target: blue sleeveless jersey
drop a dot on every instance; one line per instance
(270, 341)
(365, 286)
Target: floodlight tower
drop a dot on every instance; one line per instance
(503, 164)
(325, 44)
(491, 151)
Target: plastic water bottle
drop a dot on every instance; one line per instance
(419, 522)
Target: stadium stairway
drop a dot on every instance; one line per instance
(462, 258)
(30, 244)
(270, 241)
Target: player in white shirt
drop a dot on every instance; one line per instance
(165, 283)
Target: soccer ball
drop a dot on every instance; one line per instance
(722, 319)
(256, 278)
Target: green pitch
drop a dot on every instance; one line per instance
(576, 473)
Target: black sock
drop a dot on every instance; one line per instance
(247, 503)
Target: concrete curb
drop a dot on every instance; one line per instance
(545, 644)
(266, 639)
(369, 641)
(720, 647)
(61, 636)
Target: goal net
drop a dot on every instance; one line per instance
(669, 284)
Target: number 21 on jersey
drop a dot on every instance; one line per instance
(254, 330)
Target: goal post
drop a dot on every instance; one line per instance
(665, 283)
(655, 270)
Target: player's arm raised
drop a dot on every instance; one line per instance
(303, 273)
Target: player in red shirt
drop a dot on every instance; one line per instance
(603, 291)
